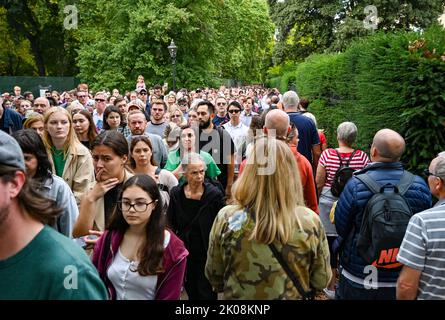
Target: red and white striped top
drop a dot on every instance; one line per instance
(330, 161)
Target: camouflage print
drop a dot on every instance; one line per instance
(245, 269)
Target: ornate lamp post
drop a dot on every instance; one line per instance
(172, 49)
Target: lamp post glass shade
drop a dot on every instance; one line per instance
(172, 50)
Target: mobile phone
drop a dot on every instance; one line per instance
(81, 240)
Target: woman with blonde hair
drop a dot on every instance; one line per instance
(177, 117)
(269, 211)
(70, 160)
(35, 121)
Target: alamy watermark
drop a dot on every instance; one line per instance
(71, 20)
(71, 280)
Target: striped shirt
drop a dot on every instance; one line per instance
(423, 248)
(330, 161)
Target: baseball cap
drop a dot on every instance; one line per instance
(136, 104)
(139, 90)
(10, 152)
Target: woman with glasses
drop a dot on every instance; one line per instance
(70, 160)
(187, 144)
(84, 127)
(177, 117)
(110, 155)
(237, 130)
(193, 207)
(138, 258)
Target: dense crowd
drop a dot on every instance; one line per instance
(154, 195)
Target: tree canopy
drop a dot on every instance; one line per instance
(309, 26)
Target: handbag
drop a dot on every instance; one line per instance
(304, 294)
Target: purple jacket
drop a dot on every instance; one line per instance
(174, 261)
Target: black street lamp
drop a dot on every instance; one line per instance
(172, 49)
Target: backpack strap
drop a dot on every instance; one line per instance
(339, 157)
(406, 181)
(350, 157)
(369, 182)
(158, 170)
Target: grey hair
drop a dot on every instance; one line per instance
(347, 133)
(439, 169)
(441, 154)
(192, 158)
(290, 100)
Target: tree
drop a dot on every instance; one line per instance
(308, 26)
(40, 24)
(215, 39)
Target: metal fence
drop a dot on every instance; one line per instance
(37, 85)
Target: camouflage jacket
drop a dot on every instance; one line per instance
(245, 269)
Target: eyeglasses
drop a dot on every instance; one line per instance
(428, 173)
(221, 104)
(175, 116)
(99, 100)
(234, 111)
(138, 206)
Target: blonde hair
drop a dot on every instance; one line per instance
(32, 118)
(275, 196)
(70, 145)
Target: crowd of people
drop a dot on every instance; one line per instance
(231, 192)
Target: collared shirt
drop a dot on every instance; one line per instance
(239, 137)
(247, 118)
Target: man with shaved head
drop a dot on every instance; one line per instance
(277, 124)
(358, 280)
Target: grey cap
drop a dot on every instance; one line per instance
(10, 152)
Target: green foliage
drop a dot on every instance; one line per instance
(392, 81)
(38, 39)
(308, 26)
(215, 40)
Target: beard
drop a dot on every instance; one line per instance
(204, 125)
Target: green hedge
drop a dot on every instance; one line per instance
(392, 81)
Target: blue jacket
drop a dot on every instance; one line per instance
(351, 205)
(12, 121)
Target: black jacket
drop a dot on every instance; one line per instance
(213, 200)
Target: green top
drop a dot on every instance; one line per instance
(174, 160)
(50, 267)
(59, 161)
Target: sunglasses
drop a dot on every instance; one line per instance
(187, 135)
(221, 104)
(175, 116)
(234, 111)
(99, 100)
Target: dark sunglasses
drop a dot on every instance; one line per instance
(221, 104)
(99, 100)
(234, 111)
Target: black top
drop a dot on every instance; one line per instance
(191, 208)
(110, 199)
(220, 145)
(86, 144)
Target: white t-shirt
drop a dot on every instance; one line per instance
(129, 284)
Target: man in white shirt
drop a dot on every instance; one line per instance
(236, 129)
(100, 103)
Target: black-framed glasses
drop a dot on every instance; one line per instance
(428, 173)
(234, 111)
(138, 206)
(99, 100)
(221, 103)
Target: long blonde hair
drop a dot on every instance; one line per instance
(70, 145)
(271, 185)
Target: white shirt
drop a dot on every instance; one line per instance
(239, 136)
(129, 284)
(247, 119)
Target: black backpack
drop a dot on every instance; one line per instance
(384, 223)
(343, 174)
